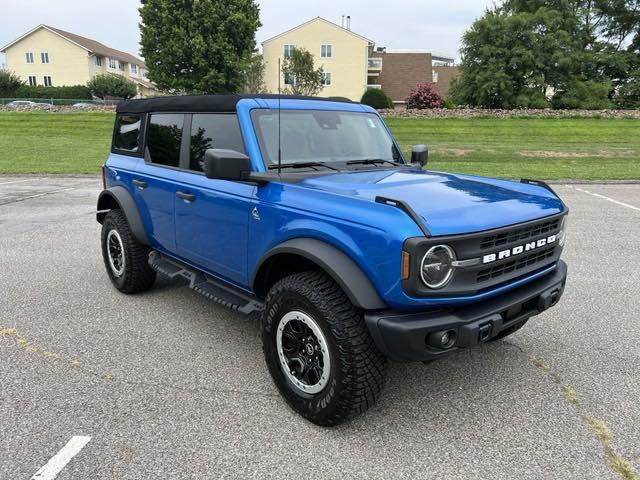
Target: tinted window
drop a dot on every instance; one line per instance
(164, 137)
(127, 133)
(213, 131)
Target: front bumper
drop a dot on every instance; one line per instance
(411, 336)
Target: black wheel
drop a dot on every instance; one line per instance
(125, 259)
(319, 351)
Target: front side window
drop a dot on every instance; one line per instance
(288, 50)
(326, 78)
(47, 81)
(127, 133)
(134, 68)
(326, 51)
(112, 62)
(213, 131)
(29, 57)
(323, 136)
(98, 61)
(32, 80)
(121, 65)
(44, 56)
(164, 137)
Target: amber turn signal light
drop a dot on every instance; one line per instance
(406, 260)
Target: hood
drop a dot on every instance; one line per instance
(448, 204)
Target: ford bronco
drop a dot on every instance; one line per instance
(306, 211)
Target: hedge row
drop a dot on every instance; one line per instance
(77, 92)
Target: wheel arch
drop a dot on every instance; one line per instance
(119, 198)
(302, 254)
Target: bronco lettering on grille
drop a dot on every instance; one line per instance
(512, 252)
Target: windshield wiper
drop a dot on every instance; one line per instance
(303, 165)
(373, 161)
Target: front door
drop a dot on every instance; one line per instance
(212, 216)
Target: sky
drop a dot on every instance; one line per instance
(431, 25)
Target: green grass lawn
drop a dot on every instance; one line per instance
(587, 149)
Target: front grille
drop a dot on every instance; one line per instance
(519, 235)
(516, 264)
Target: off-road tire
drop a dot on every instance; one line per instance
(137, 276)
(357, 367)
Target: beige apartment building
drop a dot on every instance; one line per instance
(52, 57)
(342, 54)
(352, 63)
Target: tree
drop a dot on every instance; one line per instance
(253, 75)
(523, 49)
(304, 79)
(9, 83)
(111, 85)
(198, 46)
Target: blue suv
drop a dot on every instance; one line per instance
(305, 211)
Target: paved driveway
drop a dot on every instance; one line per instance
(168, 385)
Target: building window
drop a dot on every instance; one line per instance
(134, 68)
(122, 65)
(288, 50)
(326, 79)
(98, 61)
(47, 81)
(434, 77)
(112, 62)
(289, 79)
(32, 80)
(326, 51)
(44, 56)
(29, 57)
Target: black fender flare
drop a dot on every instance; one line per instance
(344, 271)
(119, 197)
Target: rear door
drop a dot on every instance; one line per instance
(211, 216)
(154, 183)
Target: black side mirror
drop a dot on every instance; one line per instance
(226, 164)
(420, 155)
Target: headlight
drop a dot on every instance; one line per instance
(563, 231)
(437, 266)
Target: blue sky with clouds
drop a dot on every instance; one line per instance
(401, 24)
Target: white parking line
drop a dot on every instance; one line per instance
(60, 459)
(605, 198)
(16, 181)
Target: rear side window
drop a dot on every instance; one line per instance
(213, 131)
(127, 134)
(164, 137)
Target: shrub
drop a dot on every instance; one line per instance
(424, 95)
(9, 83)
(339, 99)
(448, 104)
(76, 92)
(111, 85)
(376, 98)
(584, 95)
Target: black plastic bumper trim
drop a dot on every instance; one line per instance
(403, 336)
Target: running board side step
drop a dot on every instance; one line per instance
(215, 290)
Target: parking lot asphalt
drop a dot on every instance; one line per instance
(169, 385)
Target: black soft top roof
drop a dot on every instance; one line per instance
(198, 103)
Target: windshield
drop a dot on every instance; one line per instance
(323, 136)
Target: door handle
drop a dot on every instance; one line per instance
(141, 184)
(188, 197)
